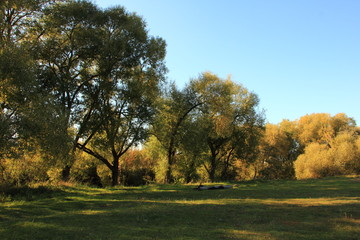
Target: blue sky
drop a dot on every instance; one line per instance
(299, 56)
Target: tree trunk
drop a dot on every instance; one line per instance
(115, 176)
(212, 174)
(225, 174)
(212, 168)
(171, 149)
(115, 170)
(190, 172)
(169, 177)
(65, 173)
(213, 163)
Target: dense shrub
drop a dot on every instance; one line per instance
(320, 160)
(137, 168)
(84, 170)
(315, 163)
(23, 169)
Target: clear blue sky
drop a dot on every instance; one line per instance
(299, 56)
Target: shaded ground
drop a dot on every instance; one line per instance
(312, 209)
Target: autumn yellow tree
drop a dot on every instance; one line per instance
(330, 146)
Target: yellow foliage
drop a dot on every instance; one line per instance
(54, 174)
(156, 153)
(24, 169)
(310, 164)
(315, 128)
(320, 160)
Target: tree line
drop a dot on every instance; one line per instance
(84, 96)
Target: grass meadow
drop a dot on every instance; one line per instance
(309, 209)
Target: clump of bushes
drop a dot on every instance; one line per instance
(26, 168)
(340, 157)
(85, 170)
(137, 168)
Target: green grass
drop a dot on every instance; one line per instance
(312, 209)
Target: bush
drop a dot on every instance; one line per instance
(321, 160)
(137, 168)
(316, 162)
(84, 170)
(137, 177)
(24, 169)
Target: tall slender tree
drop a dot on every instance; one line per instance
(174, 109)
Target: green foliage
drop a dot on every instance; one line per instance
(84, 170)
(230, 119)
(192, 153)
(120, 105)
(77, 77)
(206, 124)
(18, 17)
(16, 78)
(27, 114)
(156, 152)
(174, 108)
(78, 73)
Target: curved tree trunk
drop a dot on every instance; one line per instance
(172, 149)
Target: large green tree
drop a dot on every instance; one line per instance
(66, 49)
(210, 112)
(231, 121)
(130, 68)
(18, 88)
(93, 63)
(73, 73)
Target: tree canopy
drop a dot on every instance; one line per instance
(84, 92)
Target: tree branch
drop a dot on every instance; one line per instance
(94, 154)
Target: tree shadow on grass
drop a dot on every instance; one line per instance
(152, 220)
(270, 210)
(144, 219)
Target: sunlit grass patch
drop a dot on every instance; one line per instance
(306, 202)
(91, 212)
(246, 234)
(38, 225)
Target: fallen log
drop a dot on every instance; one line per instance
(202, 187)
